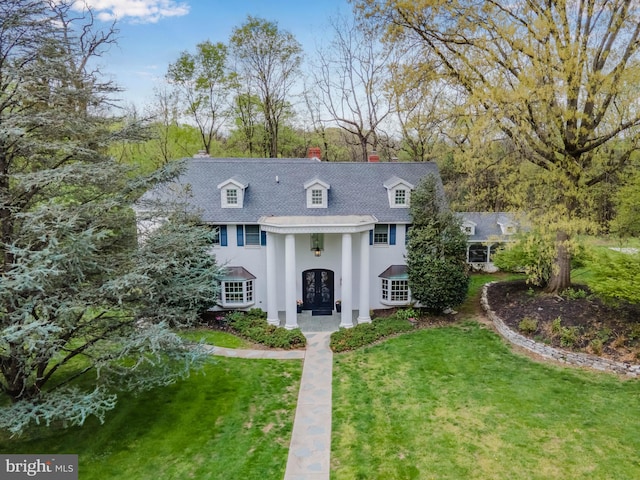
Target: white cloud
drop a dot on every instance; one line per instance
(143, 11)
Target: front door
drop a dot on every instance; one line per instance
(317, 289)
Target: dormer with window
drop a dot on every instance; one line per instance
(317, 193)
(469, 227)
(399, 192)
(232, 192)
(507, 226)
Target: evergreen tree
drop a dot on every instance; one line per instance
(436, 252)
(79, 296)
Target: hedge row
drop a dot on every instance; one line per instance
(253, 326)
(368, 333)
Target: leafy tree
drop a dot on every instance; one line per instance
(203, 83)
(268, 64)
(558, 79)
(83, 308)
(627, 220)
(615, 275)
(437, 250)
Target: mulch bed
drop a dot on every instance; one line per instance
(586, 324)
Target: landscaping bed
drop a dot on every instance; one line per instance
(576, 321)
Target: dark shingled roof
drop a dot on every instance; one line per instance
(276, 187)
(488, 224)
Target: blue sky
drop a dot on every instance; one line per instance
(154, 32)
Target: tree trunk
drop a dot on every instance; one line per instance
(560, 278)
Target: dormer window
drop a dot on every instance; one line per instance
(317, 193)
(317, 197)
(232, 192)
(507, 226)
(232, 196)
(399, 192)
(468, 227)
(401, 197)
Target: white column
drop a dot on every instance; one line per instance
(346, 319)
(291, 314)
(363, 314)
(272, 281)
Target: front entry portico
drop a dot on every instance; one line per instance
(288, 231)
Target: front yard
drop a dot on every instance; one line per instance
(449, 402)
(456, 403)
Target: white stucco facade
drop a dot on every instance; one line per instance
(347, 252)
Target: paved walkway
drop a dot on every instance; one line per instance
(310, 448)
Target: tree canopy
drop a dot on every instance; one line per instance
(556, 78)
(83, 306)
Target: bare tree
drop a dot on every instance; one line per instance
(350, 76)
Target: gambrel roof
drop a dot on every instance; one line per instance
(277, 187)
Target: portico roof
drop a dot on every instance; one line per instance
(317, 224)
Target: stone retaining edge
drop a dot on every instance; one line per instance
(545, 351)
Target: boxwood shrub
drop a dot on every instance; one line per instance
(368, 333)
(253, 326)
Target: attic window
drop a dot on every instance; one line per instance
(401, 197)
(317, 193)
(468, 228)
(317, 197)
(399, 192)
(232, 192)
(232, 196)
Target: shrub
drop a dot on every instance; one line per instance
(253, 326)
(574, 294)
(568, 336)
(368, 333)
(528, 325)
(596, 346)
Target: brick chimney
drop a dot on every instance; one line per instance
(373, 157)
(314, 152)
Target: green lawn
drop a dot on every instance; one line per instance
(214, 337)
(455, 403)
(233, 421)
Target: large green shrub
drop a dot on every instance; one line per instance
(367, 333)
(436, 251)
(253, 326)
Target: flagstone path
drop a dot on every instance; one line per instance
(310, 448)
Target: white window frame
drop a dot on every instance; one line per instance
(231, 197)
(254, 235)
(241, 296)
(317, 193)
(378, 226)
(317, 197)
(394, 291)
(401, 197)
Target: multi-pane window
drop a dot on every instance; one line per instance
(395, 290)
(237, 292)
(252, 235)
(233, 292)
(381, 234)
(232, 196)
(215, 235)
(401, 197)
(317, 197)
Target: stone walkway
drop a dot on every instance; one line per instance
(310, 448)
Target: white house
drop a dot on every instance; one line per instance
(486, 233)
(305, 231)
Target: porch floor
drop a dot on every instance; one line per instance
(319, 323)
